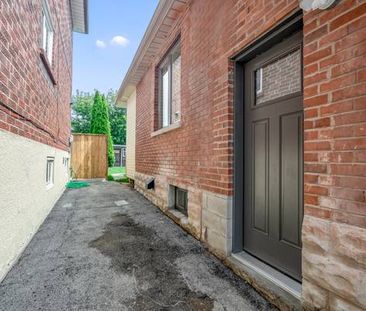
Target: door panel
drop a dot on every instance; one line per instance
(260, 175)
(291, 175)
(273, 163)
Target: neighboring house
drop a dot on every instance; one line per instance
(129, 102)
(35, 96)
(250, 120)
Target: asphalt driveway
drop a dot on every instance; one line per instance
(106, 247)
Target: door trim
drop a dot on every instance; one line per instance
(284, 29)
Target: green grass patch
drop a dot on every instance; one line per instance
(116, 170)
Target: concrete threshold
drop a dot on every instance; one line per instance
(281, 290)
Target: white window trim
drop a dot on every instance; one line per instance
(166, 129)
(47, 32)
(50, 175)
(167, 62)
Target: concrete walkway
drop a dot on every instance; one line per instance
(107, 248)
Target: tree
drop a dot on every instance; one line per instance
(100, 123)
(81, 112)
(117, 117)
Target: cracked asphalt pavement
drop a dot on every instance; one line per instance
(105, 247)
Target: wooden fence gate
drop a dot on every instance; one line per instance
(89, 156)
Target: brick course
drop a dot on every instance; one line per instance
(334, 134)
(30, 104)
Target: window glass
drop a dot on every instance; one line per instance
(279, 78)
(49, 45)
(165, 99)
(170, 88)
(181, 200)
(44, 32)
(258, 81)
(50, 171)
(176, 72)
(47, 32)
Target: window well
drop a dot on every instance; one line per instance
(181, 200)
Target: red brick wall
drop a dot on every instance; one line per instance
(30, 104)
(200, 152)
(334, 227)
(335, 113)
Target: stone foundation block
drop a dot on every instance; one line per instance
(217, 222)
(338, 304)
(314, 297)
(349, 242)
(333, 274)
(316, 235)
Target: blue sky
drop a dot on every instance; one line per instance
(102, 57)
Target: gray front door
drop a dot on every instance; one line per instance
(273, 162)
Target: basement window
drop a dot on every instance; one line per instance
(181, 200)
(170, 88)
(65, 162)
(50, 171)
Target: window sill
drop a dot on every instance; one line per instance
(49, 186)
(166, 129)
(179, 216)
(47, 65)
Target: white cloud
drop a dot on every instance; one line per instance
(119, 40)
(100, 44)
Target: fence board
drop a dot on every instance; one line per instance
(89, 156)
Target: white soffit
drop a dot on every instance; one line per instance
(79, 15)
(166, 13)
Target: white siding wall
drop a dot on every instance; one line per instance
(24, 199)
(131, 136)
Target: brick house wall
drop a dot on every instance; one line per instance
(30, 104)
(334, 228)
(207, 119)
(198, 154)
(35, 116)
